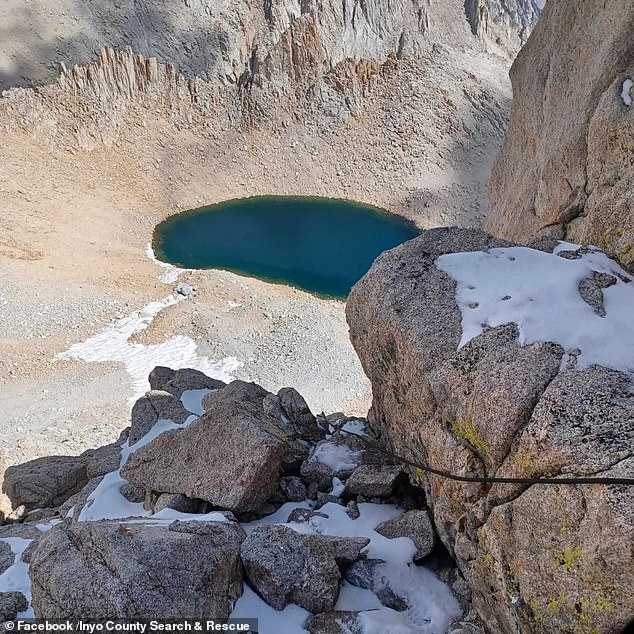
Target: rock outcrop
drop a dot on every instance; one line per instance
(565, 168)
(545, 559)
(240, 40)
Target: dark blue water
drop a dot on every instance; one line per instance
(321, 245)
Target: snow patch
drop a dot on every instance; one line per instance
(170, 272)
(539, 292)
(290, 620)
(16, 577)
(112, 344)
(625, 92)
(336, 457)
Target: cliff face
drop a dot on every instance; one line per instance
(566, 166)
(221, 41)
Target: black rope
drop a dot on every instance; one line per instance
(486, 479)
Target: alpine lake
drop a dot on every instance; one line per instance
(321, 245)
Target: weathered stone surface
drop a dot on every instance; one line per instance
(345, 550)
(566, 164)
(177, 381)
(45, 481)
(340, 622)
(286, 567)
(106, 570)
(318, 474)
(230, 457)
(373, 481)
(496, 407)
(293, 488)
(10, 604)
(103, 460)
(241, 391)
(6, 556)
(417, 526)
(154, 406)
(299, 414)
(133, 493)
(301, 516)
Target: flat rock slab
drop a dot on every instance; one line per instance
(230, 457)
(105, 570)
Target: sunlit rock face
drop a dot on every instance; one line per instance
(565, 168)
(491, 359)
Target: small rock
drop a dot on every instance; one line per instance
(178, 502)
(7, 558)
(11, 603)
(293, 488)
(326, 498)
(317, 473)
(132, 493)
(367, 574)
(373, 481)
(340, 622)
(301, 516)
(178, 381)
(155, 405)
(352, 510)
(345, 550)
(414, 524)
(298, 412)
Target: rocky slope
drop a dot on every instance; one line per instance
(226, 500)
(565, 168)
(476, 369)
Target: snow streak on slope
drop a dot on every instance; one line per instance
(112, 344)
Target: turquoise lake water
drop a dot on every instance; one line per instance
(321, 245)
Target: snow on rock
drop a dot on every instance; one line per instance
(290, 620)
(106, 501)
(336, 456)
(112, 344)
(431, 605)
(625, 92)
(540, 293)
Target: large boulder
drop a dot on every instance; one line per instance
(567, 163)
(45, 482)
(106, 570)
(230, 457)
(286, 567)
(178, 381)
(545, 559)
